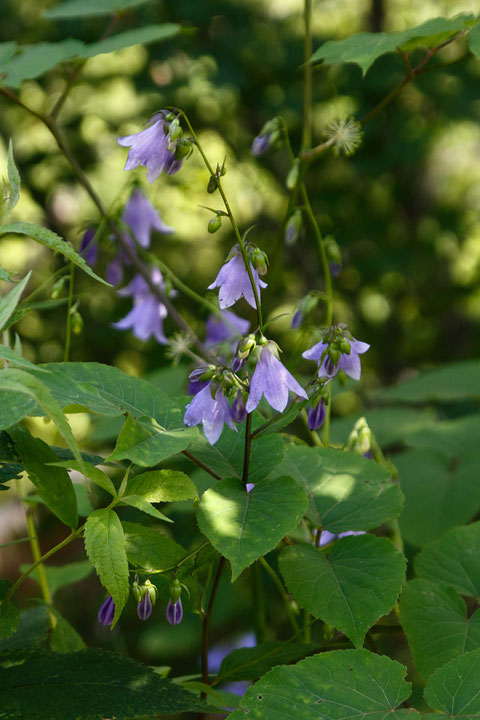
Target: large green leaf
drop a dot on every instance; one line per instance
(138, 502)
(105, 546)
(440, 492)
(451, 383)
(364, 48)
(346, 491)
(53, 483)
(226, 456)
(32, 61)
(162, 486)
(253, 662)
(457, 437)
(340, 685)
(149, 548)
(436, 624)
(92, 472)
(88, 685)
(50, 240)
(16, 360)
(9, 302)
(453, 690)
(9, 615)
(351, 588)
(243, 525)
(31, 634)
(88, 8)
(64, 638)
(59, 576)
(453, 560)
(146, 443)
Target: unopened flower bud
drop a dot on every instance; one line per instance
(57, 288)
(174, 612)
(215, 224)
(151, 590)
(106, 612)
(204, 372)
(175, 590)
(184, 148)
(174, 130)
(328, 632)
(77, 323)
(239, 410)
(246, 346)
(316, 416)
(334, 355)
(212, 184)
(144, 607)
(259, 260)
(297, 320)
(293, 175)
(332, 250)
(292, 227)
(238, 363)
(344, 346)
(137, 593)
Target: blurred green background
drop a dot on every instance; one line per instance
(404, 208)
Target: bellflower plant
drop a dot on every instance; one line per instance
(233, 283)
(209, 407)
(273, 380)
(349, 363)
(148, 313)
(154, 148)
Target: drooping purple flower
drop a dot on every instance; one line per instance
(212, 412)
(175, 612)
(350, 364)
(220, 330)
(152, 148)
(141, 216)
(327, 537)
(106, 612)
(273, 380)
(89, 247)
(114, 271)
(148, 313)
(233, 283)
(316, 416)
(145, 607)
(239, 410)
(261, 144)
(297, 320)
(249, 487)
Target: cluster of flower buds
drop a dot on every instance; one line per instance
(258, 258)
(219, 172)
(146, 596)
(338, 350)
(176, 142)
(360, 439)
(304, 307)
(317, 411)
(334, 256)
(244, 349)
(269, 138)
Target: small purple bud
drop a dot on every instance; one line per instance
(368, 455)
(261, 144)
(335, 269)
(316, 416)
(249, 487)
(330, 366)
(238, 363)
(239, 410)
(297, 320)
(144, 607)
(175, 612)
(106, 612)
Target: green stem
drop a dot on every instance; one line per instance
(206, 621)
(279, 585)
(200, 464)
(307, 80)
(186, 557)
(68, 335)
(73, 535)
(37, 558)
(233, 223)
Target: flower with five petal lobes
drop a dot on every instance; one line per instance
(273, 380)
(211, 411)
(148, 313)
(350, 364)
(106, 612)
(142, 217)
(152, 148)
(175, 612)
(233, 282)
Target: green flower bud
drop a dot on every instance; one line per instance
(137, 593)
(259, 260)
(333, 251)
(215, 224)
(344, 346)
(334, 355)
(175, 591)
(149, 587)
(184, 148)
(292, 227)
(174, 130)
(246, 346)
(212, 184)
(77, 323)
(293, 175)
(57, 288)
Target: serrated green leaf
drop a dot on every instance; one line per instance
(436, 624)
(440, 493)
(453, 560)
(59, 576)
(53, 484)
(253, 662)
(16, 360)
(364, 48)
(243, 525)
(340, 684)
(19, 382)
(351, 588)
(89, 684)
(149, 548)
(9, 302)
(105, 547)
(13, 186)
(91, 472)
(52, 241)
(226, 456)
(31, 634)
(162, 486)
(451, 383)
(453, 688)
(89, 8)
(345, 491)
(146, 443)
(143, 505)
